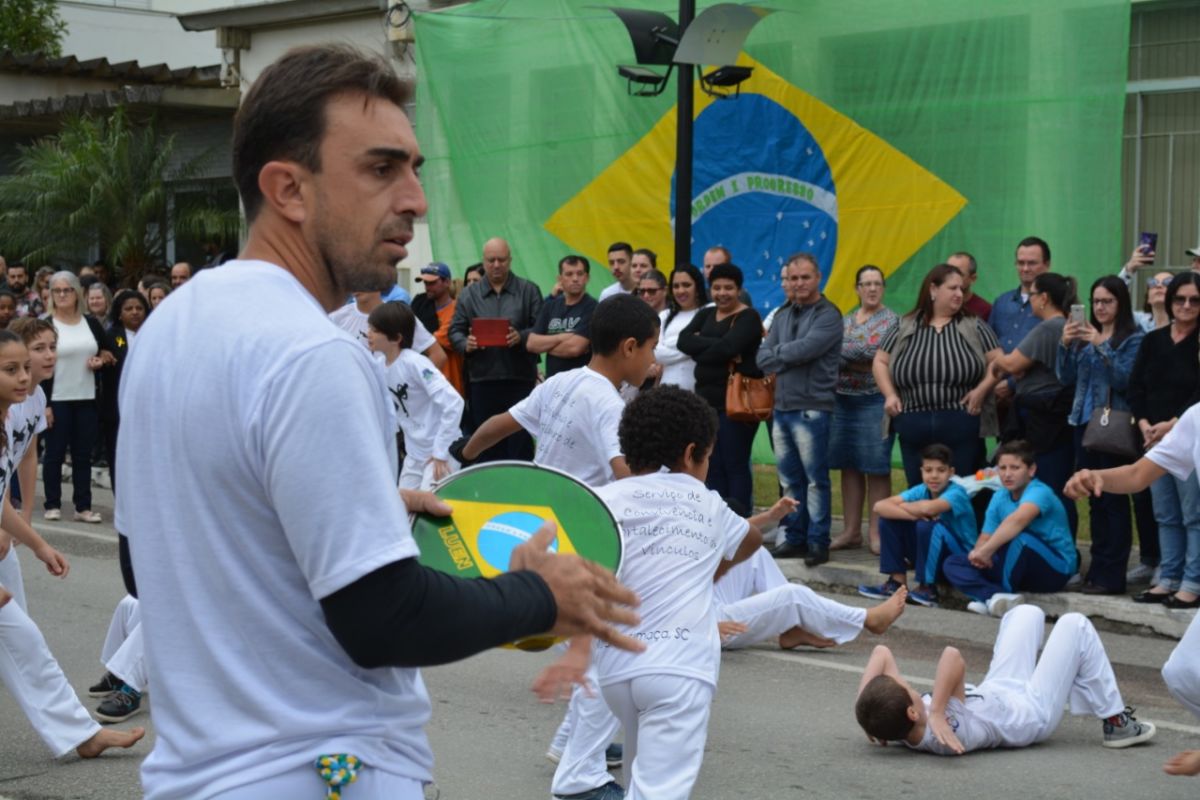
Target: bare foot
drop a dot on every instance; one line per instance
(881, 617)
(795, 636)
(846, 542)
(108, 737)
(1185, 763)
(874, 545)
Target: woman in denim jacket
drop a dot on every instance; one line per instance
(1098, 358)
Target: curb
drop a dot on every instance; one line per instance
(1111, 612)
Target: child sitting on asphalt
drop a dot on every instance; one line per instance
(920, 528)
(1021, 700)
(1025, 544)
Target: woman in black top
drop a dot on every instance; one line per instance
(129, 311)
(1163, 384)
(723, 335)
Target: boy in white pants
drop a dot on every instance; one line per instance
(1020, 701)
(755, 602)
(124, 657)
(678, 536)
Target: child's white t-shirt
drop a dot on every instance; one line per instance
(291, 426)
(997, 713)
(574, 416)
(1179, 451)
(26, 419)
(428, 409)
(676, 532)
(354, 322)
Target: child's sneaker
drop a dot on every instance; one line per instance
(999, 603)
(120, 705)
(108, 684)
(978, 607)
(1123, 730)
(881, 592)
(924, 596)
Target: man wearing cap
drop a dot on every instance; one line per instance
(434, 308)
(561, 330)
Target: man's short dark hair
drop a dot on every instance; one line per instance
(18, 265)
(730, 272)
(648, 253)
(618, 318)
(882, 709)
(615, 246)
(805, 257)
(724, 251)
(282, 116)
(937, 452)
(659, 424)
(1019, 448)
(576, 261)
(973, 267)
(1033, 241)
(394, 320)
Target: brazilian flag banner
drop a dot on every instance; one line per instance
(891, 133)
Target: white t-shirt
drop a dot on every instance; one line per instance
(76, 344)
(26, 420)
(675, 532)
(997, 713)
(678, 368)
(609, 291)
(428, 409)
(574, 417)
(354, 322)
(1179, 451)
(268, 486)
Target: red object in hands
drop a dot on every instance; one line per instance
(490, 331)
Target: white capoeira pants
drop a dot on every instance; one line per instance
(776, 610)
(37, 682)
(1073, 666)
(666, 724)
(10, 576)
(1182, 670)
(419, 474)
(303, 783)
(124, 653)
(585, 733)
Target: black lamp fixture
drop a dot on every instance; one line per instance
(714, 38)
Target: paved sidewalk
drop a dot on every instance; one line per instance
(849, 568)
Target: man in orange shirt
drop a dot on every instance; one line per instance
(437, 306)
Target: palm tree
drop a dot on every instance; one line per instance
(105, 181)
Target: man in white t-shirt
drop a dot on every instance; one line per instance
(283, 579)
(620, 264)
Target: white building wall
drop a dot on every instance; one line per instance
(120, 33)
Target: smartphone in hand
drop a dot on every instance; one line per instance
(1148, 243)
(1077, 313)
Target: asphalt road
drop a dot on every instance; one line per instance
(782, 724)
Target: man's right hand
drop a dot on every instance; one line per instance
(590, 600)
(1084, 483)
(472, 343)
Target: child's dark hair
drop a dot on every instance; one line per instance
(1019, 448)
(7, 337)
(937, 452)
(882, 709)
(394, 320)
(621, 317)
(659, 424)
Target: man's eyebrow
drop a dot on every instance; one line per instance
(396, 154)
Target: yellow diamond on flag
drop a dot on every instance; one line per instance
(490, 531)
(776, 171)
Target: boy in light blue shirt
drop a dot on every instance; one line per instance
(921, 527)
(1026, 542)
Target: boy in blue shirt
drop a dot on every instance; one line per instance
(921, 527)
(1025, 544)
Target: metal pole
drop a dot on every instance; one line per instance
(683, 146)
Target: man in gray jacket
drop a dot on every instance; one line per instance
(802, 349)
(498, 376)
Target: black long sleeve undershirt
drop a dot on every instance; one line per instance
(126, 565)
(407, 615)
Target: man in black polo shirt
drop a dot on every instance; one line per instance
(561, 330)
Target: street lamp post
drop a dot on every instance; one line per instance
(684, 125)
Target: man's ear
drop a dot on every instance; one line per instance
(284, 185)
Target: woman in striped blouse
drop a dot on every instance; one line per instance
(930, 370)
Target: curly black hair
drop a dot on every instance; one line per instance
(659, 424)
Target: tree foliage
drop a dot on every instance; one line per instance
(106, 181)
(30, 25)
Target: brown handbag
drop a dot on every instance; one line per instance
(749, 399)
